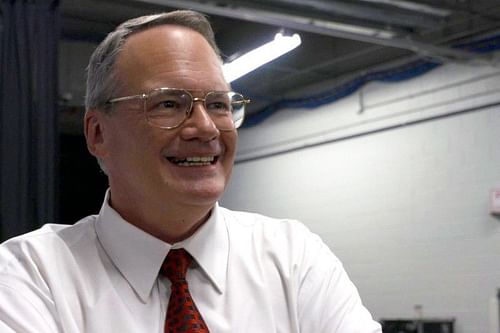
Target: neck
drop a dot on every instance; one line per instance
(170, 223)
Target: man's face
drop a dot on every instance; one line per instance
(145, 163)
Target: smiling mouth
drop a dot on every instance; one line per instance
(193, 160)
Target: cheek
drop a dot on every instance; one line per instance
(230, 140)
(128, 141)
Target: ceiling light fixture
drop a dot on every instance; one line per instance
(263, 54)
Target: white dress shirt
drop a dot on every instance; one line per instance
(251, 274)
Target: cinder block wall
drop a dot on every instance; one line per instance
(398, 187)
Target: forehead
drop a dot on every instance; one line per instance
(169, 56)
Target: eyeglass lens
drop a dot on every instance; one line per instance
(170, 107)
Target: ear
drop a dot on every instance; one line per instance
(94, 125)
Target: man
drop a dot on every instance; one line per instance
(161, 120)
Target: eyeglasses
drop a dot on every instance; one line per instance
(168, 108)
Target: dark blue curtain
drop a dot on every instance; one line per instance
(29, 33)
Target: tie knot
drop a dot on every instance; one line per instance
(176, 264)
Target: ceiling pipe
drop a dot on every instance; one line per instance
(394, 16)
(414, 6)
(329, 28)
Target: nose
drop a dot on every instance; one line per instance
(199, 125)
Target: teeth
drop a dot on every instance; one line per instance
(193, 160)
(200, 159)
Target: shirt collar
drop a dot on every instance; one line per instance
(139, 255)
(209, 246)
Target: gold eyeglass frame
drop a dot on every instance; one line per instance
(189, 110)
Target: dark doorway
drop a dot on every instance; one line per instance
(82, 183)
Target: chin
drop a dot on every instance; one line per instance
(199, 195)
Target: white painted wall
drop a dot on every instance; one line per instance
(406, 209)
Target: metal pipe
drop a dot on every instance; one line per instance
(405, 18)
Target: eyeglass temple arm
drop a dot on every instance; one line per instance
(245, 101)
(126, 98)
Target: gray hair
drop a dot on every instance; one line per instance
(102, 79)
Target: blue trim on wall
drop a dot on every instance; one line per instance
(396, 74)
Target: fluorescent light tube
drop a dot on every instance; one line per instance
(260, 56)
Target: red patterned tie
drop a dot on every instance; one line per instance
(182, 313)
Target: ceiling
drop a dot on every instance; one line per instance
(340, 39)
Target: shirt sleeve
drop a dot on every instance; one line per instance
(21, 311)
(328, 300)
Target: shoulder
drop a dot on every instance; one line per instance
(43, 245)
(32, 267)
(287, 238)
(265, 225)
(258, 221)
